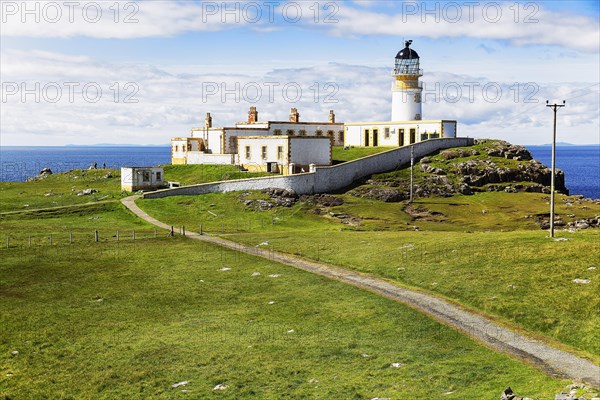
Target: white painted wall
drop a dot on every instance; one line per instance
(355, 133)
(133, 177)
(449, 129)
(406, 104)
(305, 151)
(178, 148)
(214, 137)
(196, 157)
(270, 142)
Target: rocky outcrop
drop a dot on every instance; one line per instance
(500, 148)
(382, 194)
(322, 200)
(282, 197)
(479, 173)
(44, 173)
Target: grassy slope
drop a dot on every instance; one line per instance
(60, 190)
(338, 154)
(168, 314)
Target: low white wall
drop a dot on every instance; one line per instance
(325, 179)
(197, 157)
(300, 183)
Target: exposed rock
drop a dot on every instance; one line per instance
(86, 192)
(263, 205)
(44, 173)
(282, 197)
(323, 200)
(581, 281)
(381, 194)
(479, 173)
(585, 223)
(500, 148)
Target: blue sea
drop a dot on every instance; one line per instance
(19, 163)
(580, 163)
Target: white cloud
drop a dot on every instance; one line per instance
(519, 23)
(170, 104)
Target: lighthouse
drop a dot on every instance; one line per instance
(406, 88)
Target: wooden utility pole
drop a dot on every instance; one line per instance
(555, 108)
(412, 165)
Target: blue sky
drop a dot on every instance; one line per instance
(171, 53)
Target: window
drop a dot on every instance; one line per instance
(277, 132)
(176, 148)
(330, 134)
(146, 176)
(263, 152)
(158, 178)
(290, 132)
(247, 152)
(189, 147)
(341, 136)
(387, 133)
(319, 132)
(302, 132)
(280, 152)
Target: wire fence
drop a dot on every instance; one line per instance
(11, 240)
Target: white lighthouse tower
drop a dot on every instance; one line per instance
(406, 88)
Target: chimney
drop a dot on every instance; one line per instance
(208, 121)
(294, 115)
(331, 117)
(252, 115)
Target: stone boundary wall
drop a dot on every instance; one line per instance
(324, 179)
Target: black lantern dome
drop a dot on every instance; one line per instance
(407, 53)
(407, 61)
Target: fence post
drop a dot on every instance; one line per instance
(7, 242)
(172, 233)
(154, 233)
(183, 230)
(117, 236)
(96, 238)
(201, 229)
(29, 240)
(50, 239)
(133, 234)
(222, 228)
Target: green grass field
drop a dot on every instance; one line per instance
(520, 277)
(130, 319)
